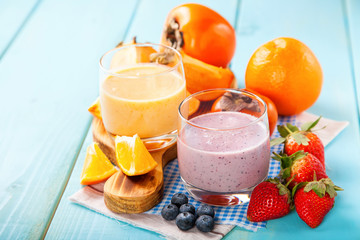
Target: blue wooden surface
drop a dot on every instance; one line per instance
(14, 15)
(352, 25)
(49, 75)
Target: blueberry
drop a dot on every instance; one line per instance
(205, 223)
(205, 209)
(187, 207)
(169, 212)
(179, 199)
(185, 221)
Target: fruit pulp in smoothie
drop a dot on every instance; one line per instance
(145, 103)
(229, 160)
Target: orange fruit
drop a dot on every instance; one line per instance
(286, 71)
(97, 167)
(132, 156)
(95, 109)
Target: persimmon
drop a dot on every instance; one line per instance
(201, 76)
(201, 33)
(271, 109)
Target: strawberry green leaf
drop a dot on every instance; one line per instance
(284, 191)
(317, 186)
(298, 155)
(322, 187)
(331, 191)
(282, 130)
(327, 181)
(337, 188)
(273, 180)
(292, 128)
(300, 138)
(285, 173)
(277, 141)
(290, 180)
(286, 162)
(276, 156)
(296, 187)
(330, 187)
(309, 125)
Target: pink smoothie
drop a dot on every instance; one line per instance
(224, 161)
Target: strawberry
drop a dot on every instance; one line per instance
(314, 200)
(300, 167)
(269, 200)
(295, 140)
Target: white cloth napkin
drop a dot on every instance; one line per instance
(92, 197)
(327, 129)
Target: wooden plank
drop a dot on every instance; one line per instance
(72, 221)
(352, 23)
(13, 17)
(320, 25)
(48, 78)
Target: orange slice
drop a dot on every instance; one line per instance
(132, 156)
(95, 109)
(97, 167)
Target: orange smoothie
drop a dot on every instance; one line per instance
(145, 103)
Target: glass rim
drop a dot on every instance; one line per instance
(225, 90)
(113, 73)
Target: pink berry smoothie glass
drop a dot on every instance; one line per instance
(223, 145)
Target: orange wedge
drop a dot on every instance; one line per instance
(95, 109)
(132, 156)
(97, 167)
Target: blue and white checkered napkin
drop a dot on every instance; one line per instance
(234, 215)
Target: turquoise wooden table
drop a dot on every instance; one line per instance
(49, 52)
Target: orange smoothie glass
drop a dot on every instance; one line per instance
(141, 87)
